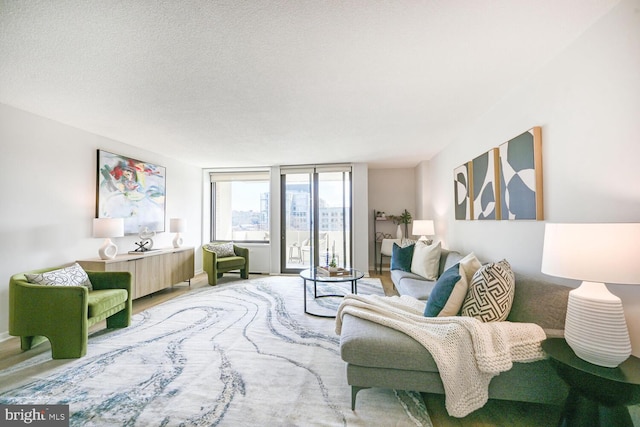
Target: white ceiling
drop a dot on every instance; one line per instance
(244, 83)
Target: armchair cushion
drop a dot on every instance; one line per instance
(104, 300)
(73, 275)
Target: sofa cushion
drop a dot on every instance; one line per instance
(102, 300)
(73, 275)
(369, 344)
(401, 257)
(426, 260)
(231, 262)
(442, 291)
(491, 292)
(222, 250)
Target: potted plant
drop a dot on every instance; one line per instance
(404, 218)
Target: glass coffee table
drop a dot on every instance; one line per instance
(314, 275)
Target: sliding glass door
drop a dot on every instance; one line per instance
(316, 217)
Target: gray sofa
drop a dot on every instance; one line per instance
(407, 283)
(378, 356)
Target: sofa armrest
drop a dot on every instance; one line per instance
(110, 280)
(210, 257)
(37, 309)
(243, 252)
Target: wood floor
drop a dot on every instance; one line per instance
(494, 413)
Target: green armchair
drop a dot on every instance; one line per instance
(63, 314)
(216, 265)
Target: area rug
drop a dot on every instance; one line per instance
(241, 353)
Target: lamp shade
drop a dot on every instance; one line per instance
(605, 253)
(423, 227)
(108, 227)
(177, 225)
(595, 326)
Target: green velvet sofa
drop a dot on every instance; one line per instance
(63, 314)
(215, 266)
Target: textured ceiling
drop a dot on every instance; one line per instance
(244, 83)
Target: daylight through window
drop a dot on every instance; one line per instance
(240, 206)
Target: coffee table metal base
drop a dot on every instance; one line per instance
(311, 276)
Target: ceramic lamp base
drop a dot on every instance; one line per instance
(595, 327)
(108, 250)
(177, 241)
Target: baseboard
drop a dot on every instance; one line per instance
(4, 336)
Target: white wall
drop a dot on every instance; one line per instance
(47, 196)
(390, 191)
(587, 101)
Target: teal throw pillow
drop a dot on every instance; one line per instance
(441, 291)
(401, 257)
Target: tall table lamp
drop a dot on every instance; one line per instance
(595, 327)
(177, 225)
(423, 228)
(107, 228)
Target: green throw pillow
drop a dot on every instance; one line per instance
(401, 257)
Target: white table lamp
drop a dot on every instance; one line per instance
(177, 225)
(107, 228)
(595, 327)
(423, 228)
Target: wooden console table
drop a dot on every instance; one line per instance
(150, 271)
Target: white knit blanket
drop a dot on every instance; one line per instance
(468, 352)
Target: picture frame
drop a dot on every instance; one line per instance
(131, 189)
(485, 182)
(463, 191)
(521, 177)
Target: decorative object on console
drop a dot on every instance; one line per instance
(107, 228)
(521, 176)
(595, 328)
(177, 225)
(463, 191)
(486, 198)
(424, 228)
(146, 242)
(131, 189)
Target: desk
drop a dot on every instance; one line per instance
(350, 275)
(598, 396)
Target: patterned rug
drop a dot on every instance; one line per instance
(241, 353)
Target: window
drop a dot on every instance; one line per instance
(240, 206)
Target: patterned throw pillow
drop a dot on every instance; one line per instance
(426, 260)
(73, 275)
(491, 293)
(407, 242)
(222, 250)
(401, 257)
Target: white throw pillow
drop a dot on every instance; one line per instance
(470, 264)
(73, 275)
(426, 260)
